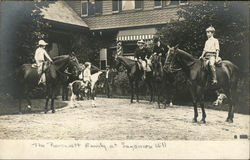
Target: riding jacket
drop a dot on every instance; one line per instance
(142, 53)
(40, 54)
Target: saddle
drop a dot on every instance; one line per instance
(217, 63)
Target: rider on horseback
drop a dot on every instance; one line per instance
(159, 50)
(141, 53)
(39, 58)
(87, 75)
(211, 51)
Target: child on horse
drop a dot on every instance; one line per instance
(211, 51)
(87, 75)
(40, 60)
(141, 53)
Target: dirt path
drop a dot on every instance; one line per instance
(116, 119)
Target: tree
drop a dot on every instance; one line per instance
(230, 20)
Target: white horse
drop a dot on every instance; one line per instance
(94, 79)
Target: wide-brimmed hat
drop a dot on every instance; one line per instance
(211, 29)
(42, 43)
(140, 42)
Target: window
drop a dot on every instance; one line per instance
(124, 5)
(158, 3)
(138, 4)
(116, 5)
(91, 7)
(164, 3)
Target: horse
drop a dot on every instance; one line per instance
(198, 77)
(134, 74)
(157, 79)
(78, 88)
(28, 77)
(69, 78)
(163, 80)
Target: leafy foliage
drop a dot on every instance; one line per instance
(230, 20)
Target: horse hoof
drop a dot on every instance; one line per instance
(227, 120)
(45, 112)
(53, 111)
(230, 121)
(194, 120)
(203, 121)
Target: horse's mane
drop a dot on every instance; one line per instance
(126, 60)
(187, 55)
(60, 58)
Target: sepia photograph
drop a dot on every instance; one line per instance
(124, 79)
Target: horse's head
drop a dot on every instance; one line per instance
(170, 58)
(117, 62)
(74, 66)
(157, 66)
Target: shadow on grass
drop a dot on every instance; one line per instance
(10, 106)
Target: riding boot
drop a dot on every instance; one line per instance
(214, 79)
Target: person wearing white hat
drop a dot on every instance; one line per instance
(211, 51)
(39, 57)
(140, 54)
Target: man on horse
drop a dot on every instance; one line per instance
(211, 51)
(40, 60)
(141, 53)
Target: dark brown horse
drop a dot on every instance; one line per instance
(198, 77)
(164, 82)
(157, 77)
(27, 78)
(134, 75)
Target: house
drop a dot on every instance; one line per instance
(126, 20)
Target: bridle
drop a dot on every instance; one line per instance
(169, 65)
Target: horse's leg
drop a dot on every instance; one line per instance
(47, 99)
(203, 120)
(52, 100)
(29, 102)
(194, 97)
(132, 91)
(52, 105)
(66, 92)
(46, 105)
(136, 91)
(231, 107)
(63, 92)
(151, 91)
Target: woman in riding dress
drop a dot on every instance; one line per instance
(39, 58)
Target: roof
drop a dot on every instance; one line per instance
(132, 19)
(60, 11)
